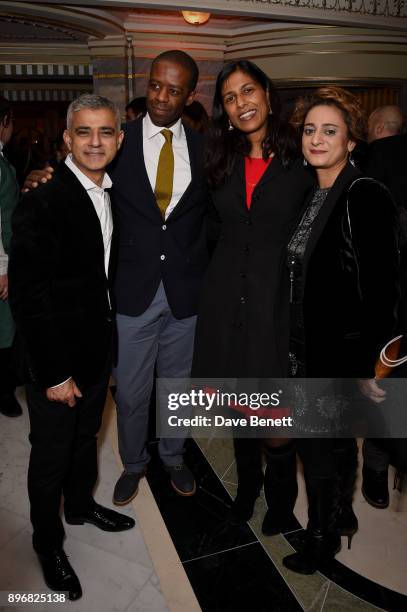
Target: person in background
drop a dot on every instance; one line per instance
(9, 194)
(61, 261)
(384, 121)
(196, 116)
(242, 330)
(386, 161)
(339, 318)
(136, 108)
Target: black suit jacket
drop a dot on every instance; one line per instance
(387, 162)
(151, 250)
(57, 282)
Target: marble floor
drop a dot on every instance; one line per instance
(184, 554)
(115, 569)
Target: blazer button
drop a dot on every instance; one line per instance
(249, 222)
(247, 248)
(243, 300)
(162, 257)
(164, 227)
(242, 275)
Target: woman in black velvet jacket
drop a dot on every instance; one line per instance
(343, 269)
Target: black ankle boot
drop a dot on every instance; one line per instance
(375, 487)
(322, 540)
(250, 477)
(346, 458)
(280, 489)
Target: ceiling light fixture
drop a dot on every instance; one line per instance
(195, 18)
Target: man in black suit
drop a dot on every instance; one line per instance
(160, 199)
(62, 246)
(386, 161)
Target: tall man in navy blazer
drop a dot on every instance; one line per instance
(161, 261)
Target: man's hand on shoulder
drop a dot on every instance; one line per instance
(65, 393)
(36, 177)
(3, 286)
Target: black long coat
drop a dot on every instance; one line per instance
(242, 328)
(351, 279)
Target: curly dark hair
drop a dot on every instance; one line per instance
(346, 102)
(223, 145)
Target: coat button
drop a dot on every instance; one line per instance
(164, 227)
(247, 248)
(243, 300)
(249, 222)
(162, 257)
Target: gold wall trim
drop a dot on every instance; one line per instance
(350, 81)
(325, 52)
(140, 75)
(117, 75)
(319, 42)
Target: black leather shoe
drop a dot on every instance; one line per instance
(104, 518)
(182, 479)
(126, 487)
(59, 574)
(375, 487)
(9, 406)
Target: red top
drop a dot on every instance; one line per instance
(254, 168)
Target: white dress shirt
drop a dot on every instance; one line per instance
(3, 254)
(101, 201)
(153, 141)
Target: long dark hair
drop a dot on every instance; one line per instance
(223, 145)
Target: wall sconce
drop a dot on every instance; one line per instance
(195, 18)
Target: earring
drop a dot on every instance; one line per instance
(230, 126)
(351, 160)
(304, 162)
(270, 111)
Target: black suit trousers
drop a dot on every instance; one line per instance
(63, 459)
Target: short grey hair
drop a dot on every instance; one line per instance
(94, 102)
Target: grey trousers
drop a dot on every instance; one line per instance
(154, 338)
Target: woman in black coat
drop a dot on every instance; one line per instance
(343, 266)
(241, 330)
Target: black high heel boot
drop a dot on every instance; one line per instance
(248, 457)
(280, 489)
(322, 539)
(346, 458)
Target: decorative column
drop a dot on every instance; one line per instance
(110, 62)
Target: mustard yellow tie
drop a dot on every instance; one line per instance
(165, 173)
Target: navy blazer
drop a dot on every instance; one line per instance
(152, 250)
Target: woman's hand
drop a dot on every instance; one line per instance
(370, 389)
